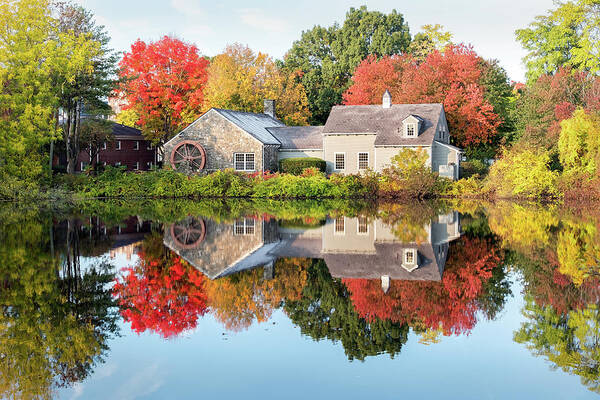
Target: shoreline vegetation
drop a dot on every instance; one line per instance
(537, 140)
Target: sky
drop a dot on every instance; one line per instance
(272, 26)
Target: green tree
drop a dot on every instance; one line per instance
(431, 38)
(28, 98)
(327, 57)
(88, 88)
(325, 311)
(567, 35)
(569, 341)
(56, 320)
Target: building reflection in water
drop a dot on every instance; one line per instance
(352, 247)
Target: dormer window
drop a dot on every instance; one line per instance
(411, 126)
(409, 257)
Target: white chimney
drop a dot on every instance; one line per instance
(387, 99)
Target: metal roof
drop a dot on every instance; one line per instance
(255, 124)
(299, 137)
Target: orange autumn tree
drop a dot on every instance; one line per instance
(450, 76)
(162, 294)
(240, 299)
(163, 85)
(450, 305)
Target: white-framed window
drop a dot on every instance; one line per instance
(103, 145)
(136, 145)
(409, 256)
(340, 161)
(411, 130)
(363, 160)
(243, 161)
(362, 228)
(149, 146)
(149, 164)
(82, 166)
(118, 145)
(137, 165)
(118, 164)
(243, 226)
(339, 226)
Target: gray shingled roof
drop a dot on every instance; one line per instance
(385, 122)
(255, 124)
(299, 137)
(119, 130)
(385, 262)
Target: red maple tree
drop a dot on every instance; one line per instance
(163, 295)
(163, 82)
(450, 77)
(450, 305)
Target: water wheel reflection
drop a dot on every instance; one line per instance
(188, 233)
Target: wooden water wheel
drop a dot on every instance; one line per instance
(188, 156)
(189, 233)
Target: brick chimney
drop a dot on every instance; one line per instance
(386, 101)
(269, 108)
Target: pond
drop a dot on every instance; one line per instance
(308, 299)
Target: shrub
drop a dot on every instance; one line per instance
(523, 172)
(473, 167)
(410, 176)
(466, 187)
(297, 165)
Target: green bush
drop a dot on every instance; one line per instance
(410, 176)
(297, 165)
(473, 167)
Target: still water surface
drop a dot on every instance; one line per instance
(296, 300)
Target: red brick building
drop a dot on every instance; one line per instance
(127, 148)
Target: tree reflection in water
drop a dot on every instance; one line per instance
(58, 313)
(56, 319)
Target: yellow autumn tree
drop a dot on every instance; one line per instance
(240, 79)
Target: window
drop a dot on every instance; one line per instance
(409, 256)
(243, 226)
(363, 160)
(149, 164)
(136, 145)
(339, 226)
(340, 161)
(149, 146)
(411, 130)
(137, 165)
(363, 226)
(103, 145)
(118, 164)
(243, 161)
(118, 145)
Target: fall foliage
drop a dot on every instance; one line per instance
(240, 79)
(451, 77)
(161, 294)
(164, 83)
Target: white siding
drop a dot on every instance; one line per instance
(351, 145)
(299, 154)
(384, 155)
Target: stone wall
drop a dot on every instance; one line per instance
(271, 154)
(220, 139)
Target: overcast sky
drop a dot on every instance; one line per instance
(271, 26)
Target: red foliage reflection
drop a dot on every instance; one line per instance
(163, 296)
(450, 305)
